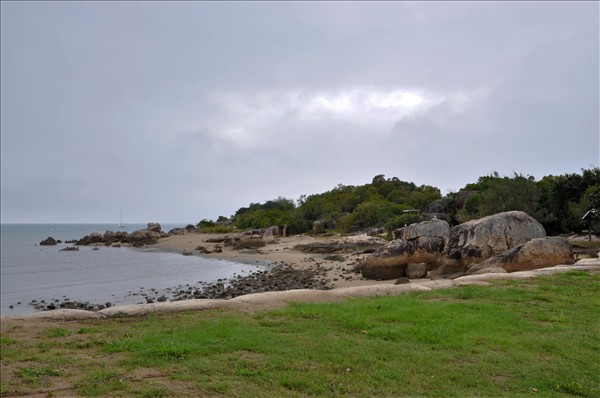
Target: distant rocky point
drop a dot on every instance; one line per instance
(138, 238)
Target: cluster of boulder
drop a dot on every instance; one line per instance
(42, 305)
(248, 240)
(140, 237)
(504, 242)
(280, 278)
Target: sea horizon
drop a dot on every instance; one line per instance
(116, 224)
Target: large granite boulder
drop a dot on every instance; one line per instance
(433, 228)
(446, 251)
(477, 240)
(270, 234)
(424, 242)
(385, 265)
(537, 253)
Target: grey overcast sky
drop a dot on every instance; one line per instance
(179, 111)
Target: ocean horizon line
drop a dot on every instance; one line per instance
(93, 223)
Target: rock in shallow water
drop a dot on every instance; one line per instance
(50, 241)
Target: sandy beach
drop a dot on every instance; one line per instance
(339, 273)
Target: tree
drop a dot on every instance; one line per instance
(205, 224)
(497, 194)
(423, 195)
(557, 202)
(563, 201)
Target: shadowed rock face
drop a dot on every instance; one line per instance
(383, 268)
(448, 251)
(537, 253)
(418, 243)
(416, 270)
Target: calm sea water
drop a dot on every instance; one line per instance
(29, 271)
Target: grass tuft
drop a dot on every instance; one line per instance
(58, 332)
(34, 375)
(101, 382)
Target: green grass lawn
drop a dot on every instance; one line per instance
(539, 337)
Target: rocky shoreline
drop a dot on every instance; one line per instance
(429, 250)
(279, 278)
(315, 265)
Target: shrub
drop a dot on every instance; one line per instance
(216, 229)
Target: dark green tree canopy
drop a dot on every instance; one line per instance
(558, 202)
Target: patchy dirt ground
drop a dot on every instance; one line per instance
(337, 268)
(49, 358)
